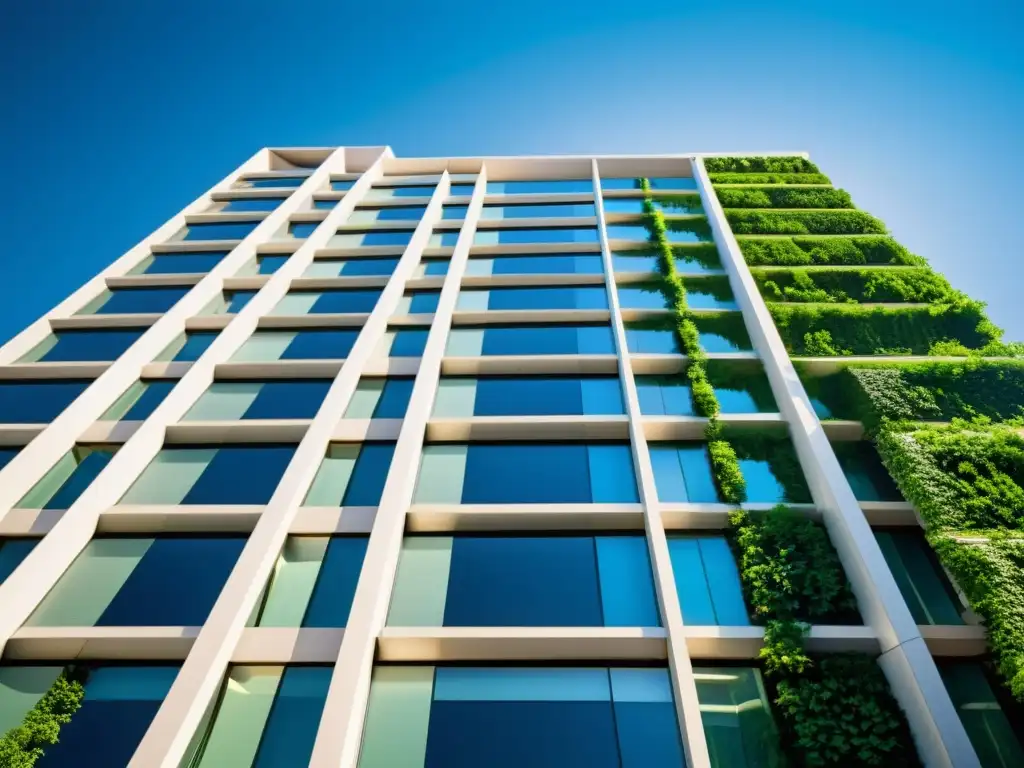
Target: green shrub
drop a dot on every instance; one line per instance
(759, 165)
(769, 178)
(782, 197)
(858, 330)
(804, 251)
(732, 487)
(918, 284)
(24, 744)
(829, 222)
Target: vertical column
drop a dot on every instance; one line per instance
(199, 680)
(681, 670)
(341, 725)
(906, 661)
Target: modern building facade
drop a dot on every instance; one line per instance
(387, 462)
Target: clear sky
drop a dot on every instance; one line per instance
(115, 114)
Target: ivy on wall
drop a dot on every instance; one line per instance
(803, 251)
(783, 197)
(759, 165)
(727, 177)
(23, 745)
(809, 222)
(824, 285)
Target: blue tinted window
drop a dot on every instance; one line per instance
(409, 342)
(664, 395)
(423, 301)
(342, 185)
(290, 730)
(544, 211)
(269, 263)
(119, 704)
(154, 394)
(682, 473)
(707, 581)
(647, 296)
(624, 205)
(547, 395)
(183, 263)
(635, 261)
(673, 182)
(706, 294)
(444, 239)
(237, 300)
(992, 726)
(88, 464)
(320, 344)
(420, 190)
(239, 474)
(435, 267)
(616, 184)
(302, 229)
(124, 301)
(366, 267)
(93, 345)
(345, 301)
(196, 342)
(281, 182)
(568, 297)
(288, 399)
(252, 204)
(368, 476)
(394, 400)
(6, 455)
(652, 341)
(548, 264)
(546, 235)
(12, 552)
(539, 186)
(454, 211)
(331, 601)
(37, 402)
(397, 212)
(461, 190)
(175, 583)
(868, 477)
(636, 232)
(229, 230)
(382, 237)
(547, 473)
(548, 340)
(324, 205)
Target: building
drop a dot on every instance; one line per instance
(371, 461)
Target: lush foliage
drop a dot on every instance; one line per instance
(803, 251)
(852, 329)
(23, 745)
(675, 204)
(769, 178)
(822, 285)
(827, 222)
(759, 165)
(783, 197)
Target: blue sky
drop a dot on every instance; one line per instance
(116, 114)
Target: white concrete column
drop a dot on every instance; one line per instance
(341, 725)
(684, 687)
(909, 667)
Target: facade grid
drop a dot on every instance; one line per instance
(372, 461)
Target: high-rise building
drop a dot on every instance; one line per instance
(631, 461)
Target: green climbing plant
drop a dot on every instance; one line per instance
(23, 745)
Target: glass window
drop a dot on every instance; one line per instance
(24, 401)
(237, 300)
(664, 395)
(547, 264)
(539, 186)
(244, 205)
(737, 718)
(380, 398)
(230, 400)
(266, 717)
(269, 263)
(707, 581)
(334, 301)
(136, 581)
(526, 473)
(581, 339)
(324, 205)
(678, 231)
(183, 263)
(993, 735)
(465, 397)
(922, 581)
(641, 340)
(390, 213)
(12, 552)
(868, 477)
(509, 717)
(725, 333)
(407, 342)
(351, 475)
(302, 229)
(456, 212)
(620, 184)
(771, 470)
(418, 302)
(461, 190)
(68, 478)
(443, 239)
(188, 348)
(83, 346)
(710, 293)
(673, 182)
(643, 296)
(314, 582)
(715, 337)
(543, 211)
(529, 581)
(342, 185)
(211, 474)
(387, 193)
(362, 267)
(741, 389)
(279, 182)
(556, 297)
(433, 268)
(228, 230)
(314, 344)
(123, 301)
(6, 455)
(139, 401)
(636, 261)
(106, 728)
(682, 473)
(357, 239)
(521, 236)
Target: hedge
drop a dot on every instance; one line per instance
(853, 222)
(781, 197)
(851, 329)
(24, 744)
(802, 251)
(759, 165)
(769, 178)
(919, 284)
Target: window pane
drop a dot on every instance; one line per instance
(682, 473)
(868, 477)
(386, 193)
(233, 230)
(342, 185)
(664, 395)
(595, 339)
(357, 239)
(351, 474)
(528, 396)
(434, 268)
(378, 398)
(37, 402)
(185, 263)
(524, 236)
(6, 455)
(302, 229)
(122, 301)
(252, 204)
(919, 576)
(228, 400)
(652, 341)
(324, 205)
(280, 182)
(269, 263)
(67, 479)
(548, 264)
(352, 268)
(635, 261)
(12, 552)
(188, 348)
(994, 738)
(707, 581)
(139, 400)
(568, 297)
(84, 346)
(391, 213)
(418, 302)
(408, 342)
(547, 210)
(737, 718)
(539, 186)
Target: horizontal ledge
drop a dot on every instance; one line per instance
(170, 518)
(648, 363)
(279, 247)
(332, 320)
(140, 320)
(209, 322)
(512, 364)
(332, 283)
(896, 513)
(109, 432)
(955, 640)
(450, 518)
(313, 369)
(824, 365)
(173, 369)
(107, 643)
(191, 246)
(529, 316)
(693, 427)
(19, 434)
(531, 280)
(529, 428)
(154, 281)
(249, 193)
(520, 643)
(513, 249)
(309, 215)
(54, 370)
(720, 642)
(237, 431)
(532, 198)
(424, 283)
(682, 516)
(288, 645)
(370, 251)
(843, 430)
(630, 278)
(218, 217)
(537, 222)
(245, 282)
